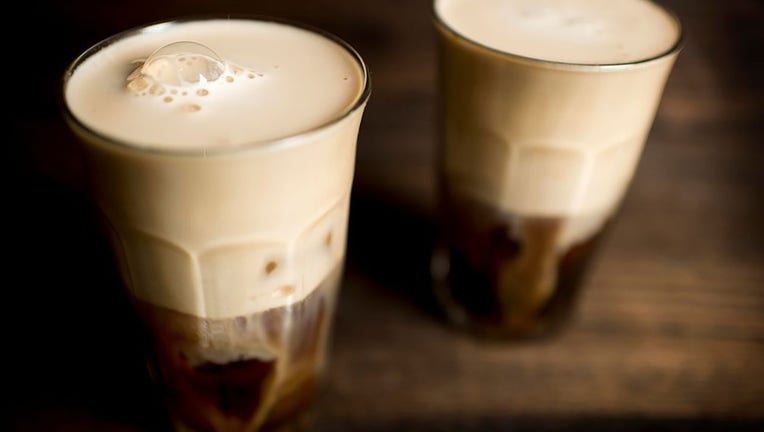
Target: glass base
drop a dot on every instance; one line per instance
(477, 300)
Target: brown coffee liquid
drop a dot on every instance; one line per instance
(243, 373)
(505, 274)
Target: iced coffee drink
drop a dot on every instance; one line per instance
(221, 153)
(545, 107)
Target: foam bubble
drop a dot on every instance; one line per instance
(199, 63)
(181, 65)
(182, 69)
(157, 89)
(137, 85)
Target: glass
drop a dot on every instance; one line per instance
(535, 157)
(254, 369)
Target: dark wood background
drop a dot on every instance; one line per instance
(669, 334)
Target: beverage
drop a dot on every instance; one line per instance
(217, 372)
(546, 106)
(221, 153)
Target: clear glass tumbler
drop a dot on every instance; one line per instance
(232, 256)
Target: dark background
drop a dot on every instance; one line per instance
(669, 333)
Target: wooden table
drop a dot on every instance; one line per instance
(669, 333)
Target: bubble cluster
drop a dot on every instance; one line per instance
(183, 69)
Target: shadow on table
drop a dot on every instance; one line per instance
(392, 245)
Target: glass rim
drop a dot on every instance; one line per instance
(574, 66)
(357, 103)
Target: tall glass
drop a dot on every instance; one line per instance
(202, 235)
(535, 157)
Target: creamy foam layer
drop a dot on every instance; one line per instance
(573, 31)
(220, 234)
(536, 140)
(275, 80)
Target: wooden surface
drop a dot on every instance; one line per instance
(669, 334)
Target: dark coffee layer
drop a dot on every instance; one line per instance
(241, 373)
(505, 275)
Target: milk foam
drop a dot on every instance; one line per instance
(260, 81)
(542, 140)
(574, 31)
(211, 225)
